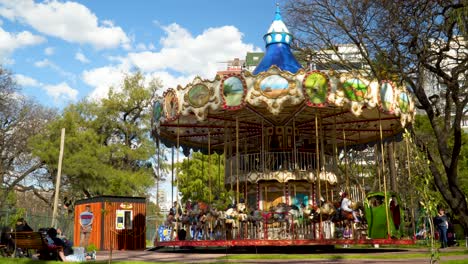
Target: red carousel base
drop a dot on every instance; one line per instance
(284, 242)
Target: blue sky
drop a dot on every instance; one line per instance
(61, 52)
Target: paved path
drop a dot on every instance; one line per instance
(214, 255)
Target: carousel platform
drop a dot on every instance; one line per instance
(283, 242)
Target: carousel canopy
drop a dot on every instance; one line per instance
(280, 97)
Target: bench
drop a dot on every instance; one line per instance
(37, 241)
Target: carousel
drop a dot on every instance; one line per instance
(282, 130)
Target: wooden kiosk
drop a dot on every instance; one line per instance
(119, 222)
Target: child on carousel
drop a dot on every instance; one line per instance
(346, 207)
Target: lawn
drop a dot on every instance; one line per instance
(317, 256)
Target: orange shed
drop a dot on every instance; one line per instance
(119, 222)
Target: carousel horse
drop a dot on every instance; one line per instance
(326, 211)
(200, 226)
(186, 223)
(242, 218)
(241, 212)
(255, 217)
(219, 220)
(230, 223)
(211, 227)
(256, 220)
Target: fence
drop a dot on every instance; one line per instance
(66, 222)
(37, 220)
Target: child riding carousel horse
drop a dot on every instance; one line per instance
(346, 209)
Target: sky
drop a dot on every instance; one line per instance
(63, 51)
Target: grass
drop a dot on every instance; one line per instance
(344, 255)
(336, 256)
(29, 261)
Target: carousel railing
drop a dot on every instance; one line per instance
(275, 161)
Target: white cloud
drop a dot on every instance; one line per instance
(189, 54)
(181, 58)
(61, 91)
(24, 80)
(70, 21)
(47, 63)
(43, 63)
(143, 47)
(169, 80)
(81, 57)
(9, 42)
(112, 76)
(49, 51)
(103, 78)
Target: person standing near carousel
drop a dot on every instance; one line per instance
(441, 221)
(86, 226)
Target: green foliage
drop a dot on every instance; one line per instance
(91, 247)
(107, 144)
(463, 164)
(194, 179)
(423, 130)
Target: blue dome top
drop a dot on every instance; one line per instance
(278, 51)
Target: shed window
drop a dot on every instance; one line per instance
(124, 219)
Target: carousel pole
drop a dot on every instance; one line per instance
(245, 171)
(361, 172)
(258, 195)
(295, 191)
(209, 165)
(225, 152)
(377, 164)
(294, 144)
(219, 176)
(346, 163)
(172, 177)
(230, 161)
(177, 180)
(335, 150)
(384, 178)
(322, 148)
(263, 148)
(317, 155)
(237, 159)
(408, 155)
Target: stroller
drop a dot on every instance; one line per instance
(451, 240)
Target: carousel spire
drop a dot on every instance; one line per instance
(278, 51)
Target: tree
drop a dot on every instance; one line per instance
(202, 180)
(408, 42)
(20, 119)
(107, 144)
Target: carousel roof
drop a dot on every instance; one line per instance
(279, 95)
(278, 52)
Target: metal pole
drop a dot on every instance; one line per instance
(318, 163)
(172, 177)
(209, 165)
(384, 178)
(408, 155)
(57, 183)
(237, 159)
(177, 181)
